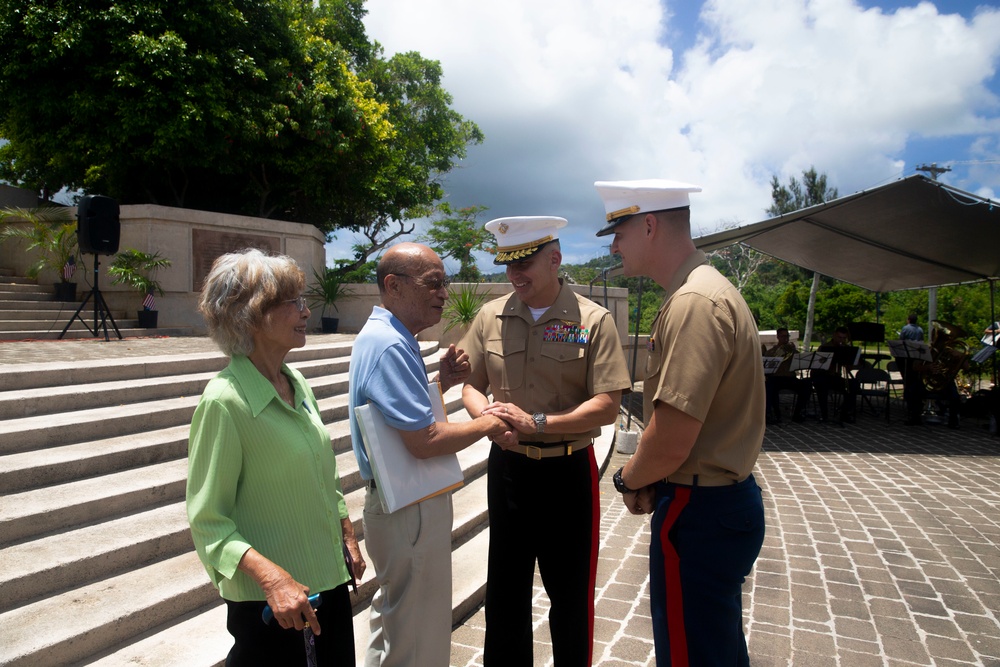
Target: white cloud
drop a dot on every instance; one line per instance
(572, 91)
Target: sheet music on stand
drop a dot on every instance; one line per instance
(844, 355)
(811, 360)
(910, 349)
(772, 364)
(985, 353)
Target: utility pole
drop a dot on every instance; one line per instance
(933, 169)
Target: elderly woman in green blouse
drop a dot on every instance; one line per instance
(264, 499)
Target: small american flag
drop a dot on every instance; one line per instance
(149, 303)
(69, 268)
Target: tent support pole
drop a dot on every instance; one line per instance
(993, 318)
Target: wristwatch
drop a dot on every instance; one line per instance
(539, 418)
(620, 483)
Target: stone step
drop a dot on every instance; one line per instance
(13, 285)
(68, 627)
(14, 307)
(73, 638)
(35, 511)
(81, 332)
(42, 566)
(54, 374)
(56, 324)
(200, 639)
(39, 512)
(49, 400)
(24, 471)
(109, 479)
(33, 467)
(24, 403)
(28, 433)
(40, 431)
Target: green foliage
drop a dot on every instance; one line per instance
(274, 108)
(352, 272)
(791, 306)
(457, 234)
(327, 289)
(137, 269)
(842, 304)
(811, 191)
(461, 309)
(50, 232)
(652, 299)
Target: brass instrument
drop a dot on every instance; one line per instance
(949, 353)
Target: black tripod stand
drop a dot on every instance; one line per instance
(100, 307)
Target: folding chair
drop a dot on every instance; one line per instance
(895, 379)
(873, 386)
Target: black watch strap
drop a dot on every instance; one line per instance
(620, 483)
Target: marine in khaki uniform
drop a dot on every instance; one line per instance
(554, 364)
(703, 412)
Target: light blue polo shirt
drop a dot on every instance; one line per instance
(388, 371)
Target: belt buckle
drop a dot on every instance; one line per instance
(533, 452)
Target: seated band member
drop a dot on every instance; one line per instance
(837, 378)
(783, 378)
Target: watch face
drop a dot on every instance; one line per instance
(539, 419)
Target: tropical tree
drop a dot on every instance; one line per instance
(456, 234)
(739, 262)
(811, 191)
(273, 108)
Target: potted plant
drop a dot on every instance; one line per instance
(459, 311)
(137, 269)
(52, 233)
(327, 289)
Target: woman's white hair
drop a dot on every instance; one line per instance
(238, 292)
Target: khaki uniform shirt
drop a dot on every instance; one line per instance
(704, 360)
(570, 354)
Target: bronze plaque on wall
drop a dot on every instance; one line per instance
(207, 246)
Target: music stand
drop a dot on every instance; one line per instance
(811, 360)
(100, 308)
(772, 364)
(846, 356)
(983, 355)
(867, 332)
(910, 349)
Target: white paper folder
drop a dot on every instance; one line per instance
(401, 478)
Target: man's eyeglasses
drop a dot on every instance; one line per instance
(433, 284)
(299, 301)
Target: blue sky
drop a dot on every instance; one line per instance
(722, 93)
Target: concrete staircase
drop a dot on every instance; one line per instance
(30, 312)
(96, 560)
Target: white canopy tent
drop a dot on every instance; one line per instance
(910, 234)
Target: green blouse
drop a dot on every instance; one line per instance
(264, 475)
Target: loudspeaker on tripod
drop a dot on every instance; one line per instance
(98, 226)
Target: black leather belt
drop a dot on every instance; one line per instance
(371, 484)
(683, 479)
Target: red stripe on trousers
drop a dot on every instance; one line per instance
(595, 530)
(672, 577)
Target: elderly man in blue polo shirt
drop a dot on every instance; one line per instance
(410, 617)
